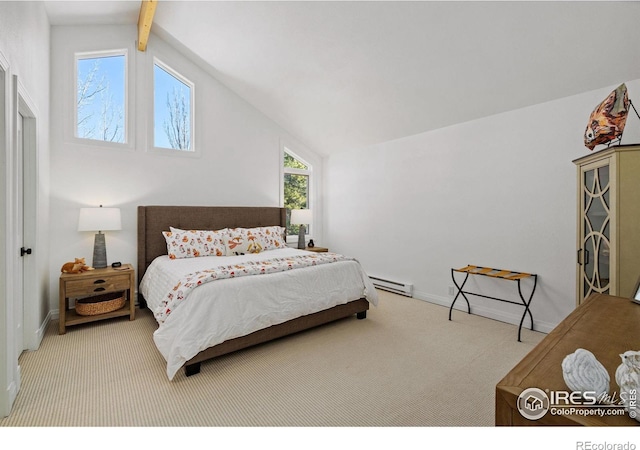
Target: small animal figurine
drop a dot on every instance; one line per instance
(628, 378)
(78, 266)
(608, 119)
(583, 372)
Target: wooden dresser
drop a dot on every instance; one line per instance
(606, 326)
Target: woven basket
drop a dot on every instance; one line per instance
(100, 304)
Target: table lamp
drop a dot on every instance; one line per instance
(301, 217)
(99, 219)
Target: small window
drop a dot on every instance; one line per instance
(101, 93)
(297, 177)
(173, 109)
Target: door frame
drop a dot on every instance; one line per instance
(17, 218)
(7, 393)
(11, 255)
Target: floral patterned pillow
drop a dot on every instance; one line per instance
(272, 237)
(194, 243)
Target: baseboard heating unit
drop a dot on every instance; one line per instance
(393, 286)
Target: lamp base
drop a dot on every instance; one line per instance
(301, 237)
(99, 252)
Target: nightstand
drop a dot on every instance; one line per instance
(92, 283)
(317, 249)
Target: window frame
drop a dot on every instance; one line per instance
(127, 110)
(194, 151)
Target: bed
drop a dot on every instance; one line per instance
(235, 312)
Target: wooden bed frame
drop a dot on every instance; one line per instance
(153, 220)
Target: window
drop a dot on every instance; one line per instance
(297, 182)
(101, 96)
(172, 109)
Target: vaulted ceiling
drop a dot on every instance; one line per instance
(342, 75)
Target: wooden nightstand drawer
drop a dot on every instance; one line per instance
(101, 285)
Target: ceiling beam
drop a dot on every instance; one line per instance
(145, 19)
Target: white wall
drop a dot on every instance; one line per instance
(24, 44)
(497, 192)
(239, 162)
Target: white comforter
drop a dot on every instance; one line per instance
(228, 308)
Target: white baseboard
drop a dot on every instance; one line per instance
(36, 340)
(484, 311)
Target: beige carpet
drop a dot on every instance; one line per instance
(405, 365)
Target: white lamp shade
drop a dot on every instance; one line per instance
(99, 219)
(301, 216)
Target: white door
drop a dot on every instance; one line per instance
(27, 224)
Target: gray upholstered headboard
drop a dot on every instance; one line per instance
(153, 220)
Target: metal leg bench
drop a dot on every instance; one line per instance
(495, 273)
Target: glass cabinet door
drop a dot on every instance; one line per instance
(594, 254)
